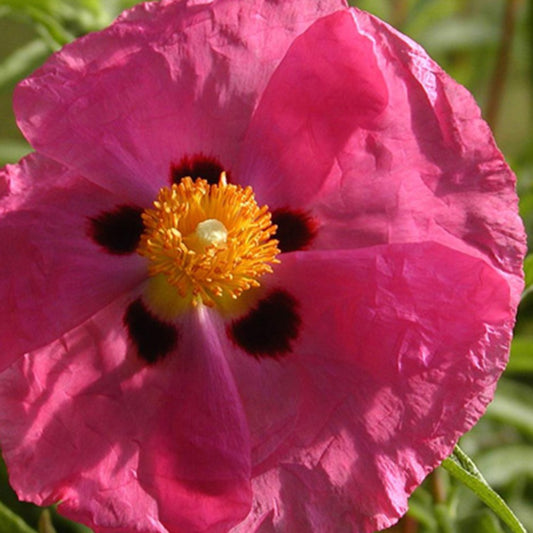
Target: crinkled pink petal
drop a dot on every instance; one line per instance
(123, 446)
(386, 374)
(206, 454)
(166, 80)
(52, 275)
(327, 87)
(360, 127)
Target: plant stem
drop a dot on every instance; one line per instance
(437, 487)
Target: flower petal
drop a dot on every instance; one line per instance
(126, 446)
(207, 450)
(52, 275)
(360, 127)
(327, 87)
(166, 80)
(384, 378)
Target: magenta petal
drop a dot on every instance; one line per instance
(387, 375)
(52, 275)
(360, 127)
(123, 446)
(167, 79)
(200, 469)
(327, 87)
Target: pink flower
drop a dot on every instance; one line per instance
(166, 368)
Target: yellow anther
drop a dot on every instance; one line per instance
(205, 243)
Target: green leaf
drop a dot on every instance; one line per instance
(60, 21)
(52, 29)
(22, 61)
(463, 468)
(12, 523)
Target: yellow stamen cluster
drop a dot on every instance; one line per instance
(208, 241)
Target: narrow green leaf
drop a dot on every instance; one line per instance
(47, 16)
(22, 61)
(49, 6)
(11, 522)
(94, 6)
(49, 24)
(463, 468)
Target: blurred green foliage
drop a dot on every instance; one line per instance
(488, 47)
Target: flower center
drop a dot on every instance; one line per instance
(205, 243)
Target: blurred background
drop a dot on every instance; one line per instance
(487, 45)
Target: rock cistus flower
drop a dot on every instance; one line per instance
(259, 275)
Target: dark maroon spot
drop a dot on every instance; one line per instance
(269, 329)
(153, 338)
(119, 230)
(296, 229)
(198, 166)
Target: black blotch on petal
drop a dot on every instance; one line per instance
(153, 338)
(198, 166)
(118, 231)
(269, 329)
(296, 229)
